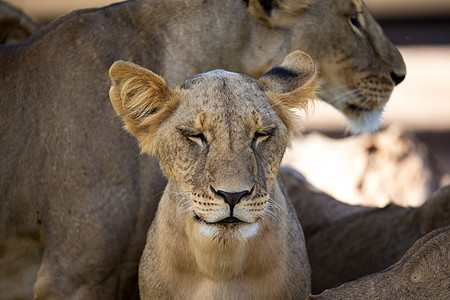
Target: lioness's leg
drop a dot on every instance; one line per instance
(74, 270)
(93, 253)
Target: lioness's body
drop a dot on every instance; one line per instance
(359, 240)
(422, 273)
(72, 181)
(224, 228)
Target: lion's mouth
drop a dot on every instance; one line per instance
(356, 108)
(229, 220)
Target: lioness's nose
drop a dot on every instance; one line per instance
(232, 198)
(397, 78)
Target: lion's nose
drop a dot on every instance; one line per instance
(232, 198)
(397, 78)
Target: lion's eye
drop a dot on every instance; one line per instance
(354, 21)
(261, 137)
(198, 138)
(193, 135)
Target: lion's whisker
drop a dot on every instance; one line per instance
(342, 97)
(339, 88)
(273, 209)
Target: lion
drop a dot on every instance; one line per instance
(373, 240)
(422, 273)
(224, 227)
(15, 26)
(359, 240)
(75, 186)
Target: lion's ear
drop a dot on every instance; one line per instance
(268, 10)
(142, 99)
(291, 85)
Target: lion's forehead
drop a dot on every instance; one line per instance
(223, 95)
(226, 105)
(222, 85)
(209, 78)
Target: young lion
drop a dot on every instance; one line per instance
(224, 226)
(74, 185)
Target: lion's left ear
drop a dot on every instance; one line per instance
(142, 99)
(291, 85)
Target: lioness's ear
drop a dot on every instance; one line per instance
(267, 10)
(291, 85)
(142, 99)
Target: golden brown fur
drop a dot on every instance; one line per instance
(75, 184)
(422, 273)
(224, 228)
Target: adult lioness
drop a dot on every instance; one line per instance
(74, 184)
(359, 240)
(224, 228)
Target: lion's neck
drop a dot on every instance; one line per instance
(217, 256)
(217, 261)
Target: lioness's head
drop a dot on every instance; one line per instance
(220, 136)
(358, 66)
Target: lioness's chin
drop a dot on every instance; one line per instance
(364, 121)
(235, 230)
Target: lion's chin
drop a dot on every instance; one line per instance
(365, 121)
(229, 228)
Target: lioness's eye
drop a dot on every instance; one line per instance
(197, 138)
(261, 137)
(354, 21)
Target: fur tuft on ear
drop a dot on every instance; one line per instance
(142, 99)
(291, 85)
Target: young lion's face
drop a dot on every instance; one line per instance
(220, 137)
(222, 145)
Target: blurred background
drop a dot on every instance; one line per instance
(420, 29)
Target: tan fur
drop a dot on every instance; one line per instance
(223, 136)
(141, 119)
(73, 182)
(422, 273)
(285, 102)
(357, 84)
(359, 240)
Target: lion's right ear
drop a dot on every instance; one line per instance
(142, 99)
(290, 86)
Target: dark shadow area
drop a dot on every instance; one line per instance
(431, 31)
